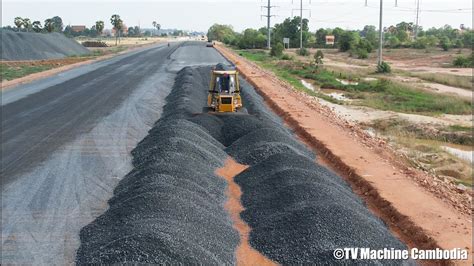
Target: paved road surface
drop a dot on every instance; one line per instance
(66, 143)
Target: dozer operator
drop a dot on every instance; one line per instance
(224, 91)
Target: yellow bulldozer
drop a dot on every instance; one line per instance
(224, 92)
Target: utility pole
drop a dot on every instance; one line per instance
(301, 21)
(268, 16)
(380, 59)
(380, 34)
(417, 16)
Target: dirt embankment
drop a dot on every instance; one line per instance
(416, 207)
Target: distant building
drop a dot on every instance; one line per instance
(78, 28)
(124, 30)
(330, 39)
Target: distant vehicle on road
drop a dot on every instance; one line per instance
(210, 44)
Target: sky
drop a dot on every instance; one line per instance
(199, 15)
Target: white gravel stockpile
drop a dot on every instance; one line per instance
(38, 46)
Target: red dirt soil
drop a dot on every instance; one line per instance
(245, 254)
(416, 214)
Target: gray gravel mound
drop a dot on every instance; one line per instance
(261, 143)
(38, 46)
(170, 207)
(300, 212)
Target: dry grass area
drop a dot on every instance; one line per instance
(420, 133)
(424, 147)
(124, 41)
(10, 70)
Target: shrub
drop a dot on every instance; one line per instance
(303, 52)
(384, 67)
(459, 44)
(362, 53)
(393, 42)
(277, 50)
(462, 61)
(420, 43)
(286, 57)
(445, 43)
(319, 55)
(364, 44)
(94, 44)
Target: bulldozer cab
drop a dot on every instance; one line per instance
(224, 91)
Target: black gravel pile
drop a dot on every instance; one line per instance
(170, 207)
(38, 46)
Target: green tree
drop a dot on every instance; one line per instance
(222, 33)
(252, 39)
(337, 32)
(117, 23)
(402, 36)
(370, 34)
(99, 27)
(57, 23)
(348, 40)
(468, 38)
(27, 24)
(290, 28)
(36, 25)
(321, 37)
(156, 25)
(393, 42)
(18, 23)
(445, 43)
(49, 25)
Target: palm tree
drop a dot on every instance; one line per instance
(27, 24)
(18, 23)
(118, 24)
(99, 26)
(158, 27)
(36, 26)
(154, 24)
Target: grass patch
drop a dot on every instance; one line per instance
(464, 82)
(455, 134)
(458, 128)
(381, 94)
(270, 63)
(387, 95)
(13, 72)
